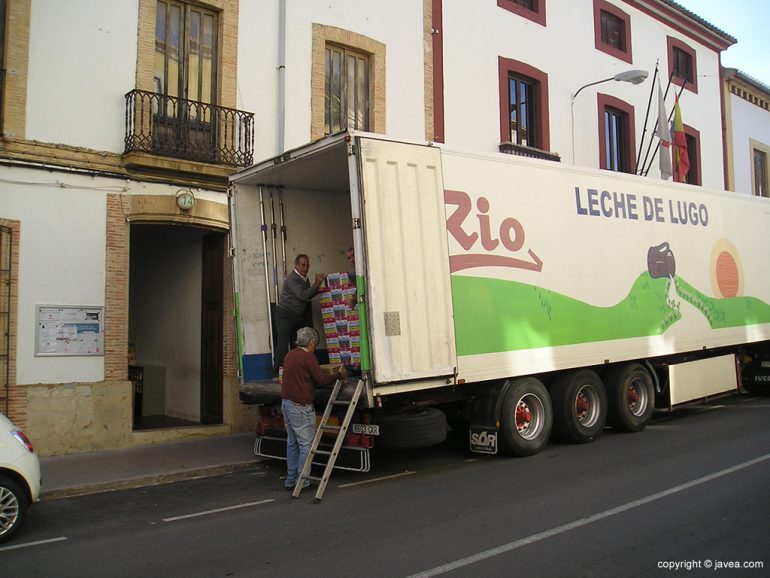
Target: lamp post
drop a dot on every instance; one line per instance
(632, 76)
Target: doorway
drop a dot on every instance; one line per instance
(175, 325)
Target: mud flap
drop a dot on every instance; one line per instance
(756, 376)
(485, 420)
(483, 441)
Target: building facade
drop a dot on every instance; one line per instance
(120, 129)
(747, 128)
(122, 120)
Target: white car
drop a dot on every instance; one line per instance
(19, 477)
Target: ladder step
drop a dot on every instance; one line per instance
(341, 402)
(326, 426)
(323, 452)
(313, 478)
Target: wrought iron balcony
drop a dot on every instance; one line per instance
(525, 151)
(187, 129)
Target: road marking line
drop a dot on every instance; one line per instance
(585, 521)
(28, 544)
(218, 510)
(350, 485)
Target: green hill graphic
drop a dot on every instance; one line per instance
(728, 312)
(493, 315)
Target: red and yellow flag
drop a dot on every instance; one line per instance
(681, 159)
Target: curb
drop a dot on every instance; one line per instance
(145, 481)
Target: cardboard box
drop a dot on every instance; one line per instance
(330, 368)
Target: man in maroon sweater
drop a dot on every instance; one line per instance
(301, 375)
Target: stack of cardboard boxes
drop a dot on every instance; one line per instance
(341, 324)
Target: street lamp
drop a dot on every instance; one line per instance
(632, 76)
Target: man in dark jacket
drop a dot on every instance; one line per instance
(294, 309)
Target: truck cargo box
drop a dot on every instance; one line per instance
(477, 267)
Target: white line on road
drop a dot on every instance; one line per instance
(207, 512)
(376, 480)
(29, 544)
(585, 521)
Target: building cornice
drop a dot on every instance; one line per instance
(747, 88)
(688, 23)
(134, 166)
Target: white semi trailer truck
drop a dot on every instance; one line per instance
(525, 296)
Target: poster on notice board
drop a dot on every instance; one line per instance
(69, 330)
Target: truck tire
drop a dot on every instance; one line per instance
(630, 396)
(420, 428)
(526, 418)
(579, 406)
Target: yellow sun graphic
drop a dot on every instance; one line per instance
(726, 270)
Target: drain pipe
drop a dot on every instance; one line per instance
(282, 116)
(281, 75)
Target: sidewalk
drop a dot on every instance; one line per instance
(88, 473)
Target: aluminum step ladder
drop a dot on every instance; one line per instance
(324, 426)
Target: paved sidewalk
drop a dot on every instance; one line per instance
(88, 473)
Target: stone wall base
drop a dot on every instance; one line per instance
(85, 417)
(79, 417)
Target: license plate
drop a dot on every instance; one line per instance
(366, 429)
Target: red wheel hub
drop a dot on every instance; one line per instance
(582, 406)
(523, 416)
(632, 396)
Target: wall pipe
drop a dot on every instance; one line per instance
(281, 76)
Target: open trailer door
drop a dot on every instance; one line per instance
(410, 320)
(312, 182)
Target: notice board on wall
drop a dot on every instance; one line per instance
(69, 330)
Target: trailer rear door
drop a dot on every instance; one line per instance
(410, 321)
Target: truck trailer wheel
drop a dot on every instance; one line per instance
(419, 428)
(579, 406)
(631, 395)
(526, 418)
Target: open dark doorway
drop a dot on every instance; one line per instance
(175, 325)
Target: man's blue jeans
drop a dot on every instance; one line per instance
(300, 430)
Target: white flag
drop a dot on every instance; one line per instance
(664, 134)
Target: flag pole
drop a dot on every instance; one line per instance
(644, 172)
(670, 116)
(646, 117)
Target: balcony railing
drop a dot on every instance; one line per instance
(187, 129)
(525, 151)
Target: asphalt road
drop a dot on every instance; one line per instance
(689, 496)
